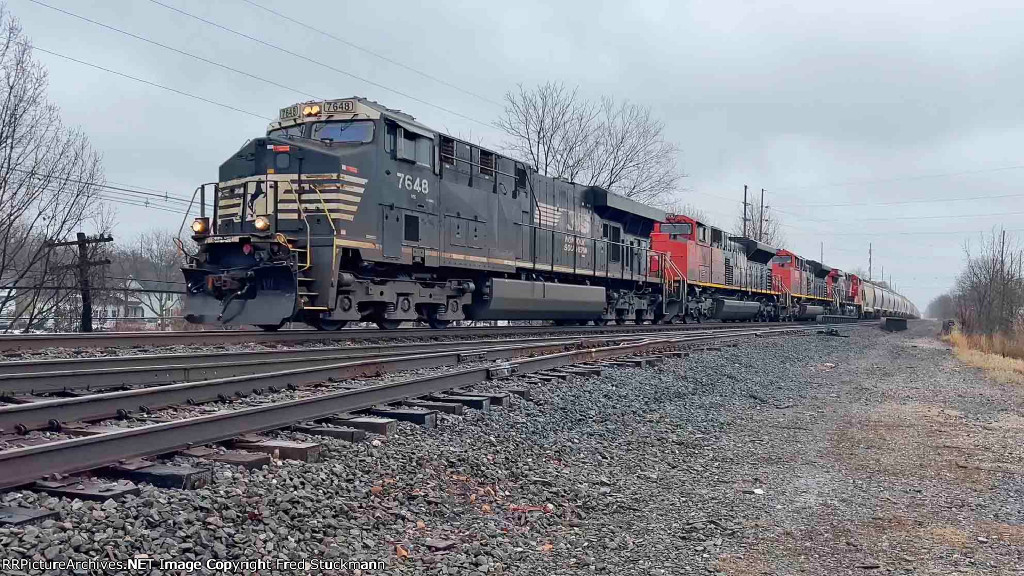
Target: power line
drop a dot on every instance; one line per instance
(150, 83)
(903, 178)
(177, 50)
(122, 196)
(154, 194)
(915, 233)
(139, 204)
(953, 216)
(371, 52)
(894, 203)
(317, 62)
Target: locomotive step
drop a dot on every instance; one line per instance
(309, 293)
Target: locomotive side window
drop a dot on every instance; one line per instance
(520, 177)
(412, 228)
(425, 151)
(613, 234)
(716, 238)
(702, 234)
(413, 147)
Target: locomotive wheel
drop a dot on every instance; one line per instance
(601, 322)
(619, 320)
(270, 327)
(433, 321)
(389, 324)
(328, 325)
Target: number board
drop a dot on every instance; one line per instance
(289, 112)
(339, 107)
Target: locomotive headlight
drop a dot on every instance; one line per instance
(261, 223)
(311, 110)
(201, 225)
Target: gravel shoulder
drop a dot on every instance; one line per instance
(788, 455)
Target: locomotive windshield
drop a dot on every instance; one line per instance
(287, 132)
(677, 230)
(359, 131)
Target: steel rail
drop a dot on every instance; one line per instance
(9, 342)
(82, 374)
(23, 465)
(99, 373)
(51, 414)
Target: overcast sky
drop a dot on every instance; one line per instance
(869, 103)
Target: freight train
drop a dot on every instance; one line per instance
(347, 210)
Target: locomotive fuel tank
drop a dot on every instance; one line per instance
(808, 312)
(525, 300)
(735, 309)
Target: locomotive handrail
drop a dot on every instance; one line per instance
(642, 252)
(298, 204)
(327, 212)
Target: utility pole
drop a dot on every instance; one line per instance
(1002, 278)
(821, 256)
(760, 223)
(83, 265)
(745, 211)
(869, 261)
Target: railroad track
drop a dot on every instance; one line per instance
(241, 379)
(56, 376)
(23, 465)
(12, 342)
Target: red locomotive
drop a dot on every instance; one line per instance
(733, 278)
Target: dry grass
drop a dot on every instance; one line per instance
(947, 536)
(998, 344)
(1001, 357)
(1012, 534)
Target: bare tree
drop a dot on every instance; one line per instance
(620, 147)
(761, 226)
(942, 307)
(989, 293)
(47, 183)
(859, 272)
(687, 209)
(150, 271)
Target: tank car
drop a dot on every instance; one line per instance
(346, 210)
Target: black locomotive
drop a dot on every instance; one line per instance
(350, 211)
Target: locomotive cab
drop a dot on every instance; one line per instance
(278, 199)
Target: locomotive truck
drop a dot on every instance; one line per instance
(347, 210)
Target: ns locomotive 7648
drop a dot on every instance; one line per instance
(347, 210)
